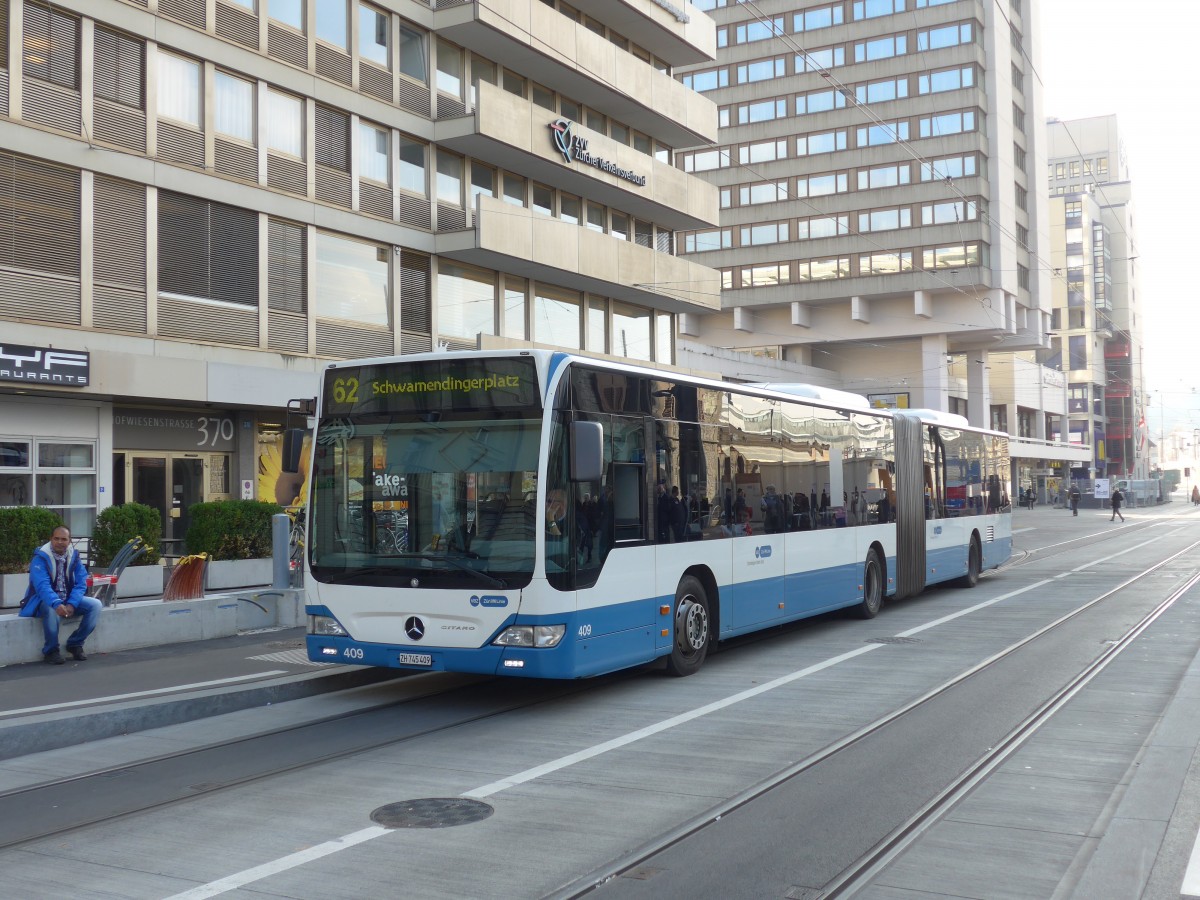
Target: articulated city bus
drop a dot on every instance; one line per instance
(539, 514)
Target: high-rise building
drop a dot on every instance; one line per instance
(1097, 314)
(880, 169)
(203, 200)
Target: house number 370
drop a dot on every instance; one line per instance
(213, 430)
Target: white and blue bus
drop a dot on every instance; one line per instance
(539, 514)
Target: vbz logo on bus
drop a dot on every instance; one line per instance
(762, 552)
(489, 600)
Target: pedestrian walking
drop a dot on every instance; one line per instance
(1117, 499)
(1196, 494)
(57, 581)
(1074, 499)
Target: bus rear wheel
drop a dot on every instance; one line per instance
(692, 628)
(872, 587)
(974, 565)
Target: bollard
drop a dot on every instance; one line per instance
(281, 529)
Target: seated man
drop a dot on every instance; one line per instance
(57, 581)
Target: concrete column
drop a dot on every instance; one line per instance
(87, 243)
(800, 315)
(979, 392)
(922, 304)
(87, 77)
(935, 374)
(264, 279)
(151, 89)
(860, 310)
(260, 142)
(152, 261)
(355, 149)
(689, 324)
(743, 319)
(16, 56)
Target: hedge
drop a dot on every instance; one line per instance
(22, 530)
(232, 529)
(117, 524)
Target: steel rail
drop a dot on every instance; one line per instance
(601, 875)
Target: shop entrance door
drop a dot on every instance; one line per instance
(172, 483)
(187, 487)
(147, 483)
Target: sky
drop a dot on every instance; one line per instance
(1137, 61)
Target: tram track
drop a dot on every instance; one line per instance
(52, 807)
(859, 873)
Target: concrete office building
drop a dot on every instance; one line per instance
(1097, 321)
(880, 168)
(202, 200)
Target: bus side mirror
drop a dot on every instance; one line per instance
(293, 444)
(587, 451)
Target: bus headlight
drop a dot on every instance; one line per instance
(531, 636)
(326, 626)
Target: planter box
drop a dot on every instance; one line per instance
(140, 581)
(227, 574)
(12, 589)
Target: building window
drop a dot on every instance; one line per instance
(412, 166)
(119, 68)
(287, 269)
(466, 301)
(664, 338)
(179, 89)
(51, 45)
(597, 325)
(1022, 276)
(513, 314)
(39, 215)
(285, 123)
(557, 317)
(373, 152)
(449, 178)
(352, 281)
(289, 12)
(234, 101)
(1019, 156)
(373, 35)
(332, 23)
(333, 138)
(631, 331)
(59, 476)
(483, 181)
(449, 69)
(1022, 198)
(206, 250)
(1077, 346)
(413, 63)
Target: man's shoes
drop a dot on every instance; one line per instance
(76, 653)
(53, 658)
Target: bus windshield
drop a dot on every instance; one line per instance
(432, 487)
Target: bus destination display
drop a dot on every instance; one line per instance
(482, 384)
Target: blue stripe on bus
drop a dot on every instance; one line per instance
(606, 638)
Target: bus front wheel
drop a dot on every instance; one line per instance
(974, 565)
(872, 587)
(692, 628)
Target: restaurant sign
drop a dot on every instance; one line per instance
(44, 365)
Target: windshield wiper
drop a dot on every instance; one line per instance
(351, 574)
(457, 563)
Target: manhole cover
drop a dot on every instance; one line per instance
(893, 640)
(431, 812)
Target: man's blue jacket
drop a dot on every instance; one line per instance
(41, 581)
